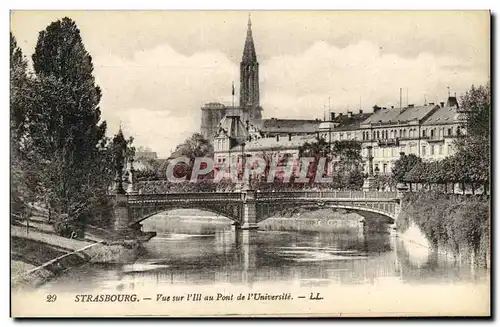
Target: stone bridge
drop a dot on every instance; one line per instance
(249, 207)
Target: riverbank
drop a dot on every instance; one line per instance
(327, 219)
(38, 254)
(458, 227)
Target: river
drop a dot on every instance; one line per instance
(188, 254)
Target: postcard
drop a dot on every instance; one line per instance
(250, 163)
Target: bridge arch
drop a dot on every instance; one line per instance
(381, 212)
(141, 213)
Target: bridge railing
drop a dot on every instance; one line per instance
(186, 196)
(236, 196)
(327, 195)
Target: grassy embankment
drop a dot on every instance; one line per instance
(38, 253)
(459, 226)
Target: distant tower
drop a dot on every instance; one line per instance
(249, 79)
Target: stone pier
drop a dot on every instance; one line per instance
(249, 210)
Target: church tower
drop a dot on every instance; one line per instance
(249, 79)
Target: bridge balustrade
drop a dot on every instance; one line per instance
(227, 196)
(327, 195)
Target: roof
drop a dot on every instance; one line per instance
(270, 143)
(274, 125)
(346, 123)
(443, 115)
(234, 128)
(213, 105)
(393, 115)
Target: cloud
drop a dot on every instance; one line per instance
(300, 85)
(159, 93)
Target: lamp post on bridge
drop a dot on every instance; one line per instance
(131, 178)
(369, 182)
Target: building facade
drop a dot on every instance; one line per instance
(426, 131)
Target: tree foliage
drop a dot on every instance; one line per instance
(62, 158)
(344, 158)
(403, 165)
(196, 146)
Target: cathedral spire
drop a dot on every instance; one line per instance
(249, 79)
(249, 54)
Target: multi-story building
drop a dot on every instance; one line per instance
(426, 131)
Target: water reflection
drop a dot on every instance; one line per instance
(194, 253)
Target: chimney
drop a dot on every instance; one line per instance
(411, 105)
(392, 107)
(431, 103)
(442, 104)
(349, 114)
(400, 99)
(360, 111)
(340, 114)
(332, 115)
(277, 138)
(376, 108)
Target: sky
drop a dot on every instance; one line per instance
(157, 68)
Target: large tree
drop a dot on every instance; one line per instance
(474, 146)
(20, 100)
(19, 94)
(66, 129)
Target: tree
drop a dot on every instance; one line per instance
(474, 146)
(19, 94)
(403, 165)
(23, 185)
(193, 147)
(317, 150)
(65, 127)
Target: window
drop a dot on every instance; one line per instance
(440, 149)
(432, 133)
(378, 135)
(363, 136)
(423, 150)
(432, 150)
(450, 132)
(424, 132)
(458, 131)
(373, 135)
(449, 149)
(393, 152)
(384, 168)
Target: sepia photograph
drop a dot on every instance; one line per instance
(250, 163)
